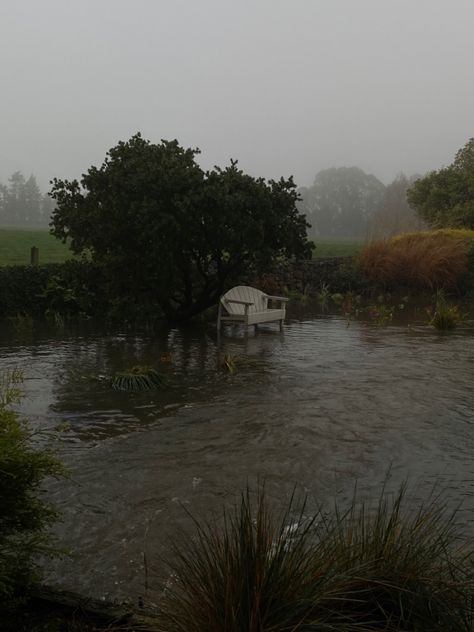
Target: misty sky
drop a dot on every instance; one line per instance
(285, 86)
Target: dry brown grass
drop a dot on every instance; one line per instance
(426, 260)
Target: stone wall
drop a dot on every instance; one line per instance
(304, 276)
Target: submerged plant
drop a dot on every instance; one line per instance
(323, 296)
(229, 363)
(22, 323)
(446, 316)
(366, 568)
(381, 314)
(138, 378)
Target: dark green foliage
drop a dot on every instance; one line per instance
(348, 277)
(23, 514)
(158, 226)
(71, 288)
(367, 568)
(139, 378)
(445, 198)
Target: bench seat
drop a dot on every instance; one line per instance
(249, 306)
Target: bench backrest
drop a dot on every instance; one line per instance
(244, 293)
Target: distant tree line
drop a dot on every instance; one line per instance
(346, 202)
(22, 202)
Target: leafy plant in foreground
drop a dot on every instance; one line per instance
(368, 568)
(24, 516)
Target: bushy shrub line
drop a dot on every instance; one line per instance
(426, 260)
(32, 290)
(71, 289)
(366, 568)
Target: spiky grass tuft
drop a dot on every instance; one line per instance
(364, 569)
(446, 316)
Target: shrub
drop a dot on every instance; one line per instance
(67, 288)
(426, 260)
(23, 514)
(367, 568)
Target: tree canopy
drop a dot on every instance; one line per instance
(341, 201)
(160, 226)
(445, 198)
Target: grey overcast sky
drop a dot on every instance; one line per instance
(284, 86)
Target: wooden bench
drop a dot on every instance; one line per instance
(249, 306)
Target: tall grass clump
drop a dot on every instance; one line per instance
(446, 316)
(24, 515)
(368, 568)
(425, 260)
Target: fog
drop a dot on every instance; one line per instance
(284, 87)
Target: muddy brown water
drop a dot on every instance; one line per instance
(330, 401)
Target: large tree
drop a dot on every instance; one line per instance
(341, 201)
(161, 227)
(446, 197)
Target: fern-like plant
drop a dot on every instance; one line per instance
(138, 378)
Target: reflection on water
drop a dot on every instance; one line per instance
(328, 401)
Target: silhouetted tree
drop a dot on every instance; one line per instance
(21, 202)
(341, 201)
(161, 227)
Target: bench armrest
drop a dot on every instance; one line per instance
(277, 298)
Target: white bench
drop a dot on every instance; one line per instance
(249, 306)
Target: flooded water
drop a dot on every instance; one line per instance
(327, 402)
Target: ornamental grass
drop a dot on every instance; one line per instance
(369, 568)
(425, 260)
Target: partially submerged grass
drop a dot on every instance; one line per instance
(138, 378)
(446, 316)
(428, 260)
(364, 569)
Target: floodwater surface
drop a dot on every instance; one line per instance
(325, 403)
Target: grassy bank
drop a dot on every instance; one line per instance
(326, 249)
(16, 243)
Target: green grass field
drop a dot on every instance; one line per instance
(325, 249)
(16, 243)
